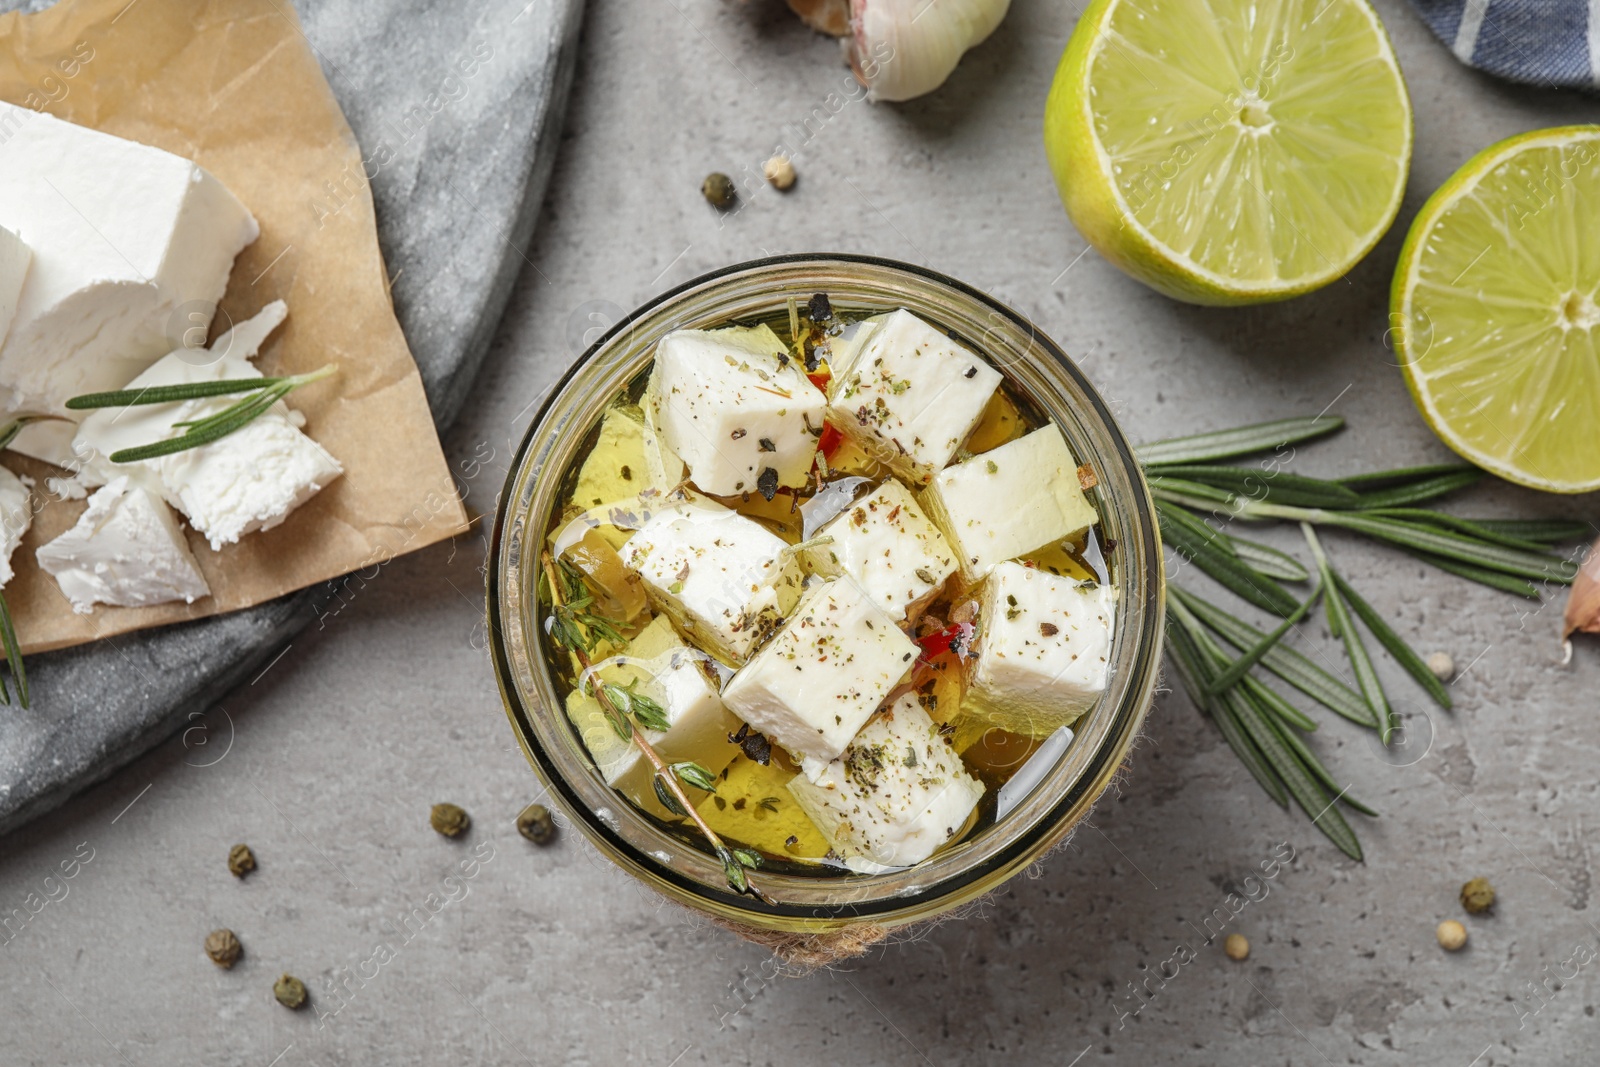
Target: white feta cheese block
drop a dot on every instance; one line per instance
(132, 248)
(660, 666)
(739, 412)
(664, 468)
(724, 579)
(249, 480)
(823, 674)
(16, 516)
(15, 258)
(898, 792)
(1009, 501)
(1044, 655)
(126, 550)
(891, 549)
(911, 395)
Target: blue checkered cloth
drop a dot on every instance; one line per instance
(1551, 43)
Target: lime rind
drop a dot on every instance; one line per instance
(1249, 157)
(1495, 309)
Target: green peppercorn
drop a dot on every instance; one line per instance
(719, 191)
(290, 991)
(223, 948)
(449, 820)
(241, 861)
(1477, 896)
(536, 825)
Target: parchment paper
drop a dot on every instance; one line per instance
(234, 85)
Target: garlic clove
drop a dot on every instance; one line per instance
(1583, 601)
(831, 17)
(900, 49)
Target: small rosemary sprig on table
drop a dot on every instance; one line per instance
(1189, 484)
(575, 628)
(264, 393)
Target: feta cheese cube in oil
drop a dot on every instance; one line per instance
(1043, 657)
(736, 409)
(824, 673)
(658, 665)
(896, 794)
(724, 579)
(1009, 501)
(911, 395)
(888, 546)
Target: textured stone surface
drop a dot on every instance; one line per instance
(457, 194)
(552, 956)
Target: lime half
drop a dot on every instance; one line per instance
(1495, 309)
(1230, 151)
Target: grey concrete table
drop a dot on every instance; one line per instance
(328, 762)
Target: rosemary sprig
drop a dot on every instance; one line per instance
(580, 632)
(264, 393)
(13, 650)
(1262, 727)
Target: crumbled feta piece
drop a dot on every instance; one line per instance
(897, 793)
(15, 258)
(1044, 655)
(738, 410)
(824, 673)
(1009, 501)
(126, 550)
(723, 578)
(249, 480)
(16, 515)
(132, 248)
(888, 546)
(911, 395)
(657, 664)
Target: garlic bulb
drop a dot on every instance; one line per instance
(1583, 602)
(904, 48)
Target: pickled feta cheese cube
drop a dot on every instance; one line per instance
(126, 550)
(891, 549)
(736, 408)
(658, 665)
(824, 673)
(896, 794)
(723, 578)
(15, 258)
(911, 395)
(16, 516)
(1044, 655)
(1009, 501)
(664, 468)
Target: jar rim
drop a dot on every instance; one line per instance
(693, 876)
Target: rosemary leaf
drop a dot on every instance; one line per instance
(1365, 483)
(664, 795)
(13, 650)
(1195, 541)
(646, 711)
(1466, 526)
(1416, 492)
(1193, 674)
(1240, 667)
(208, 430)
(1241, 441)
(1268, 560)
(1300, 782)
(1268, 698)
(1541, 531)
(1403, 653)
(1318, 771)
(169, 394)
(16, 424)
(1189, 494)
(1344, 627)
(1493, 579)
(1538, 566)
(1256, 483)
(691, 773)
(1285, 662)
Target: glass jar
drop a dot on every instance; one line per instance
(961, 872)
